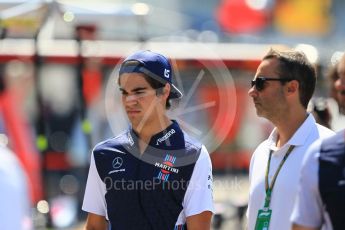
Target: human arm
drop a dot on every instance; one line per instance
(94, 201)
(200, 221)
(198, 201)
(299, 227)
(308, 212)
(95, 222)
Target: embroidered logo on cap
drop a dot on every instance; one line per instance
(166, 73)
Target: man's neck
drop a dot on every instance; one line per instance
(149, 129)
(288, 125)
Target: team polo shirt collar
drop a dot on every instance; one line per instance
(170, 139)
(299, 137)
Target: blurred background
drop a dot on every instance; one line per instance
(58, 62)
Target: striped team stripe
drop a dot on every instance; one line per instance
(170, 158)
(160, 175)
(163, 176)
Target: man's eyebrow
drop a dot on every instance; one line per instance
(122, 90)
(133, 90)
(138, 89)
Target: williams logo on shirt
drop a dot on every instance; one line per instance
(166, 136)
(167, 167)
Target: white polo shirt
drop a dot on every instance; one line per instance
(309, 210)
(285, 188)
(14, 200)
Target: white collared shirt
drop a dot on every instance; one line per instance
(285, 188)
(309, 209)
(14, 199)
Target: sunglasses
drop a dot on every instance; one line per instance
(259, 82)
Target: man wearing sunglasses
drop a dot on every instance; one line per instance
(281, 89)
(321, 195)
(153, 176)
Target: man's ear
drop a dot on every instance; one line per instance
(292, 87)
(166, 90)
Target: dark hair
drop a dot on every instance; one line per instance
(295, 65)
(157, 85)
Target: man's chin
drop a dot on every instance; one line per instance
(258, 112)
(135, 121)
(262, 114)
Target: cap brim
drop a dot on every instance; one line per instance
(175, 93)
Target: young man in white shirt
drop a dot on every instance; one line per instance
(153, 176)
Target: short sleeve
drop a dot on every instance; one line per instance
(15, 203)
(198, 197)
(251, 165)
(308, 207)
(94, 198)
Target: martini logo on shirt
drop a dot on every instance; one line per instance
(167, 167)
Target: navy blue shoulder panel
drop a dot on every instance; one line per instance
(332, 178)
(192, 147)
(106, 151)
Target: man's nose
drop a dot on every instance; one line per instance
(252, 92)
(131, 100)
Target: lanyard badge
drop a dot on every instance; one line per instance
(263, 219)
(264, 215)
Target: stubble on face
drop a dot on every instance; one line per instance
(270, 102)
